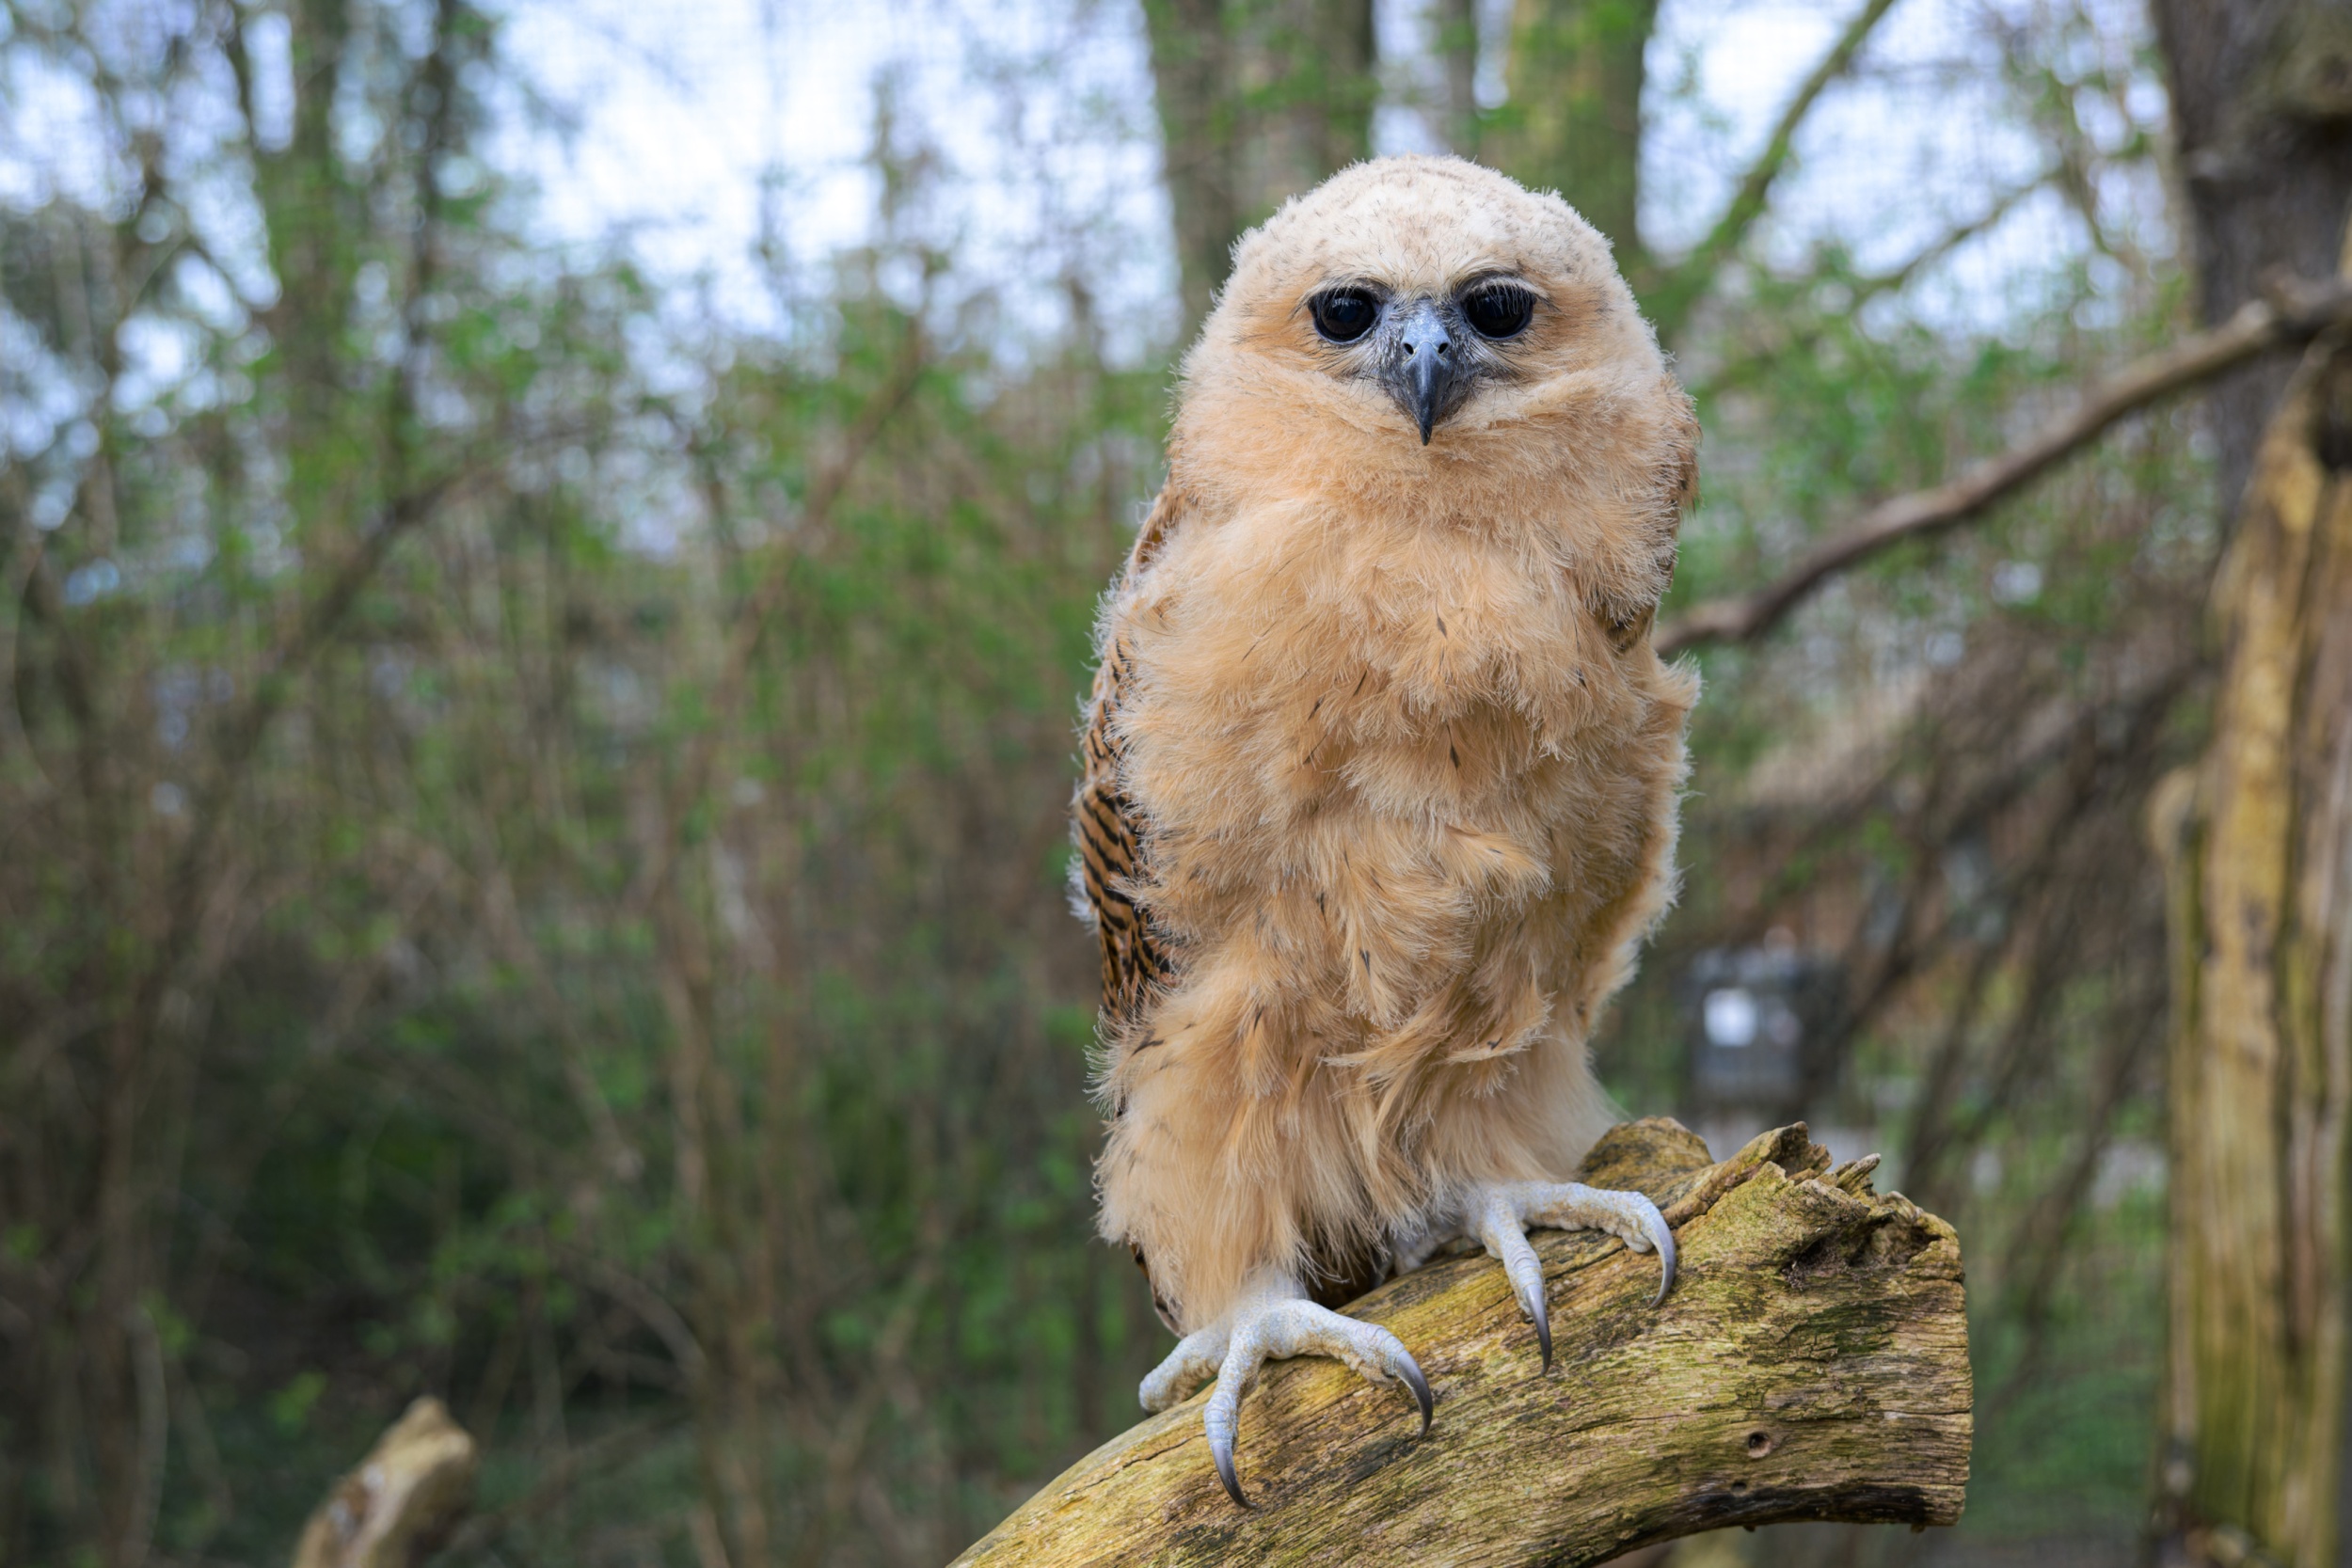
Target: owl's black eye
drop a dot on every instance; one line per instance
(1344, 315)
(1499, 309)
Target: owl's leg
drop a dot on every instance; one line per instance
(1270, 1320)
(1498, 1215)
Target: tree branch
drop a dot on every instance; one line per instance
(1812, 1363)
(1748, 367)
(1696, 273)
(399, 1503)
(2294, 313)
(750, 623)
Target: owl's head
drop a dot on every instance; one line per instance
(1418, 300)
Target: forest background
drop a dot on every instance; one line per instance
(532, 770)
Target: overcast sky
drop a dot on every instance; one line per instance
(687, 128)
(686, 112)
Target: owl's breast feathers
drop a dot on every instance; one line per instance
(1371, 790)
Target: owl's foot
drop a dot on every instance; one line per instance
(1498, 1215)
(1272, 1321)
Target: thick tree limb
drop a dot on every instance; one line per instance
(1812, 1363)
(2296, 313)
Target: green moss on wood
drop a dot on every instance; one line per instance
(1812, 1363)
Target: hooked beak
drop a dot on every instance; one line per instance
(1423, 368)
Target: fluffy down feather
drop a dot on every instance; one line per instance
(1382, 768)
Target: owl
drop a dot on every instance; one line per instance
(1381, 770)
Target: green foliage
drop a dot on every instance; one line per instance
(523, 1064)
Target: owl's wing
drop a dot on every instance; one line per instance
(1111, 835)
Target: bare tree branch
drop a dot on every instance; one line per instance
(1744, 370)
(1812, 1363)
(1696, 274)
(751, 622)
(2294, 313)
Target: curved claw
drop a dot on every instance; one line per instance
(1632, 1217)
(1378, 1355)
(1654, 1235)
(1287, 1328)
(1410, 1373)
(1222, 1418)
(1500, 1215)
(1661, 1237)
(1505, 1240)
(1225, 1473)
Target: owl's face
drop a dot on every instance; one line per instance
(1430, 348)
(1413, 300)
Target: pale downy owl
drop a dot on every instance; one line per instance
(1381, 767)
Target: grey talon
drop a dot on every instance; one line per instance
(1221, 1449)
(1273, 1321)
(1410, 1371)
(1500, 1213)
(1222, 1419)
(1528, 1274)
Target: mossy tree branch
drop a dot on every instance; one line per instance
(1812, 1363)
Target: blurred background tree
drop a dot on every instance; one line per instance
(532, 779)
(1259, 100)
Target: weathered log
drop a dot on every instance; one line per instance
(401, 1502)
(1812, 1363)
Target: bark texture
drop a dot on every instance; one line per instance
(2259, 845)
(1454, 34)
(397, 1506)
(2257, 839)
(2262, 112)
(1812, 1363)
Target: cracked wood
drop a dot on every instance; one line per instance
(1812, 1363)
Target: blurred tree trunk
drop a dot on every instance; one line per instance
(155, 990)
(1454, 28)
(1262, 99)
(1259, 101)
(2260, 839)
(1573, 120)
(2262, 100)
(2260, 843)
(318, 231)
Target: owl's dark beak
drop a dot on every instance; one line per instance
(1423, 367)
